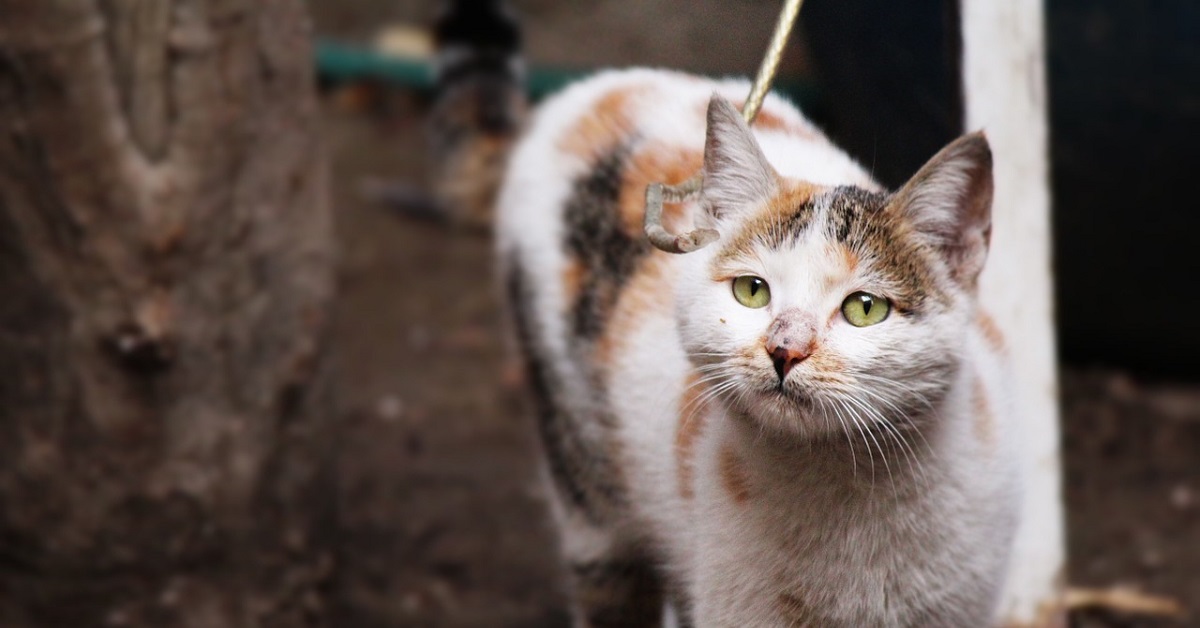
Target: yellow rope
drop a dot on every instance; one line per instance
(656, 193)
(770, 64)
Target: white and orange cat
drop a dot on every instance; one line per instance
(801, 424)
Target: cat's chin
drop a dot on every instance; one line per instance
(788, 410)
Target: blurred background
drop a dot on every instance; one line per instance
(440, 506)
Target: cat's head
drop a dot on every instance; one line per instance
(821, 310)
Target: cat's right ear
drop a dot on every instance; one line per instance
(737, 176)
(949, 202)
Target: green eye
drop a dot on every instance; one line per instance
(862, 309)
(751, 291)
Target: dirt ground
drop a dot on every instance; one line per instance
(1132, 457)
(440, 515)
(440, 510)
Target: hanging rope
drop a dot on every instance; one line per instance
(656, 193)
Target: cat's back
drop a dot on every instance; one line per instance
(589, 151)
(628, 128)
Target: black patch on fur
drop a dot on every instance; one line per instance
(618, 593)
(582, 473)
(788, 228)
(596, 239)
(847, 207)
(799, 219)
(857, 219)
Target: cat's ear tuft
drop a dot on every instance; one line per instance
(949, 202)
(737, 175)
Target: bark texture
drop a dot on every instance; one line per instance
(165, 276)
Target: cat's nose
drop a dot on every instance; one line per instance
(791, 338)
(786, 357)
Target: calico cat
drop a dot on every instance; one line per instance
(802, 424)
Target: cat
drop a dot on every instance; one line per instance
(804, 423)
(479, 107)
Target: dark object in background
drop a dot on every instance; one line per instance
(1124, 122)
(889, 79)
(479, 108)
(478, 44)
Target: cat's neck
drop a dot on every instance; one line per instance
(900, 459)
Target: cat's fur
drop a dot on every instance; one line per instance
(874, 486)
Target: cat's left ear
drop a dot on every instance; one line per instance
(949, 202)
(737, 176)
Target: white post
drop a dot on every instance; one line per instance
(1005, 90)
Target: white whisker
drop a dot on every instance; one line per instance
(854, 406)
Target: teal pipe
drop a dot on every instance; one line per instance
(344, 63)
(337, 62)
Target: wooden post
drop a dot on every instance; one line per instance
(1004, 87)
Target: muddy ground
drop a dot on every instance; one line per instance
(441, 519)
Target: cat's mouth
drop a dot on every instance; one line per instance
(782, 389)
(790, 403)
(791, 393)
(786, 408)
(785, 397)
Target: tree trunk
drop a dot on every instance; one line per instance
(165, 277)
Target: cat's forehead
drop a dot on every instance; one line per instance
(803, 212)
(828, 225)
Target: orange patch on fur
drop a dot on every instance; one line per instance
(656, 163)
(984, 424)
(609, 122)
(791, 196)
(768, 120)
(646, 289)
(991, 332)
(839, 275)
(692, 413)
(733, 475)
(849, 258)
(572, 278)
(469, 177)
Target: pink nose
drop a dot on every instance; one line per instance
(791, 338)
(787, 357)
